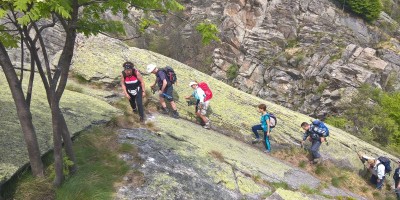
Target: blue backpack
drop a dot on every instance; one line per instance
(385, 162)
(320, 128)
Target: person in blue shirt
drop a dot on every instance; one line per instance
(264, 126)
(315, 139)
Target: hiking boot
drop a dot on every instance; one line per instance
(267, 151)
(135, 110)
(141, 120)
(207, 125)
(175, 114)
(257, 140)
(317, 160)
(164, 111)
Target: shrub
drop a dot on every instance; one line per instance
(368, 9)
(232, 71)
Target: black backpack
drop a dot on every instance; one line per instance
(385, 162)
(170, 74)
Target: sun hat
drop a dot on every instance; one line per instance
(151, 67)
(192, 83)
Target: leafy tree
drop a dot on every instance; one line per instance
(24, 21)
(209, 32)
(372, 115)
(368, 9)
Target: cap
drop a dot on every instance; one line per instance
(151, 67)
(128, 65)
(192, 83)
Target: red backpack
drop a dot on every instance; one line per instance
(206, 90)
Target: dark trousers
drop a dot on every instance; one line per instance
(136, 102)
(255, 130)
(315, 149)
(374, 180)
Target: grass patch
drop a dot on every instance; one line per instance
(99, 168)
(302, 164)
(307, 190)
(320, 169)
(282, 185)
(337, 181)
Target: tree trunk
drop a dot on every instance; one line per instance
(58, 157)
(67, 142)
(23, 113)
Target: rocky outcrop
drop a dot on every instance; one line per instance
(81, 109)
(291, 52)
(233, 111)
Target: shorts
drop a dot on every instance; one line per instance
(203, 110)
(168, 93)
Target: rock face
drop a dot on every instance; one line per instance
(292, 51)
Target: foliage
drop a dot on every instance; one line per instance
(373, 115)
(208, 32)
(338, 121)
(368, 9)
(232, 71)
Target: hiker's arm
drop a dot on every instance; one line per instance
(268, 128)
(140, 78)
(124, 87)
(164, 85)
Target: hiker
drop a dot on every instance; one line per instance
(396, 177)
(264, 126)
(133, 87)
(377, 170)
(315, 138)
(166, 89)
(202, 103)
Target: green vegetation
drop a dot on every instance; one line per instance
(208, 32)
(99, 168)
(74, 88)
(321, 87)
(232, 71)
(368, 9)
(337, 181)
(373, 115)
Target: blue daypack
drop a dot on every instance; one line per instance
(320, 128)
(385, 162)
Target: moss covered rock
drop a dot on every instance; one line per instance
(232, 111)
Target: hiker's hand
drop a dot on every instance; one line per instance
(378, 180)
(268, 133)
(143, 94)
(160, 92)
(127, 96)
(322, 139)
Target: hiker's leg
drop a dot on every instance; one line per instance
(255, 129)
(315, 149)
(203, 111)
(162, 102)
(380, 183)
(132, 101)
(173, 105)
(373, 179)
(266, 142)
(139, 102)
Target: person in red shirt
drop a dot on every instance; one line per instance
(133, 87)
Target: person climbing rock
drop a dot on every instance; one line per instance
(316, 141)
(133, 87)
(165, 84)
(377, 170)
(264, 126)
(396, 178)
(202, 103)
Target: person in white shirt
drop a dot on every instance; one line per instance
(378, 172)
(201, 105)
